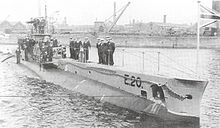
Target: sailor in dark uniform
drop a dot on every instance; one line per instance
(77, 46)
(86, 45)
(98, 46)
(26, 48)
(111, 49)
(104, 52)
(55, 42)
(18, 54)
(71, 48)
(50, 51)
(74, 48)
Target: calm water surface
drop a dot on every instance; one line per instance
(42, 104)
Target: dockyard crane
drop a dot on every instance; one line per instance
(117, 18)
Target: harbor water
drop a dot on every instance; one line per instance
(27, 101)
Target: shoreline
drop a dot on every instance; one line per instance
(135, 41)
(144, 46)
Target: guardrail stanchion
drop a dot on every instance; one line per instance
(158, 62)
(143, 61)
(123, 52)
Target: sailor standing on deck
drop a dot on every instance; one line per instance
(55, 42)
(26, 48)
(98, 46)
(78, 44)
(71, 47)
(74, 48)
(104, 52)
(86, 46)
(111, 49)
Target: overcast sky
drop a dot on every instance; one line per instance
(81, 12)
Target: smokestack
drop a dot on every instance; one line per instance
(114, 13)
(164, 19)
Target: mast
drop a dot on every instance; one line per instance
(198, 38)
(46, 19)
(114, 13)
(39, 8)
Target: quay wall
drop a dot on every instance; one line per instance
(137, 40)
(149, 41)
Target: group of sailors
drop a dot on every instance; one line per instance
(106, 48)
(45, 47)
(27, 45)
(77, 47)
(38, 24)
(79, 50)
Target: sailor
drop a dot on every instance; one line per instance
(55, 42)
(50, 52)
(74, 48)
(26, 48)
(77, 46)
(104, 51)
(63, 52)
(71, 45)
(42, 25)
(46, 48)
(18, 52)
(43, 52)
(36, 24)
(98, 46)
(31, 46)
(86, 46)
(111, 49)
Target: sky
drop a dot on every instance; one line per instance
(85, 12)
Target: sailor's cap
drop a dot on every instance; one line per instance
(102, 39)
(86, 37)
(98, 39)
(71, 38)
(107, 37)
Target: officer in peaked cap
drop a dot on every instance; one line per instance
(71, 48)
(86, 46)
(77, 46)
(110, 49)
(98, 46)
(104, 51)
